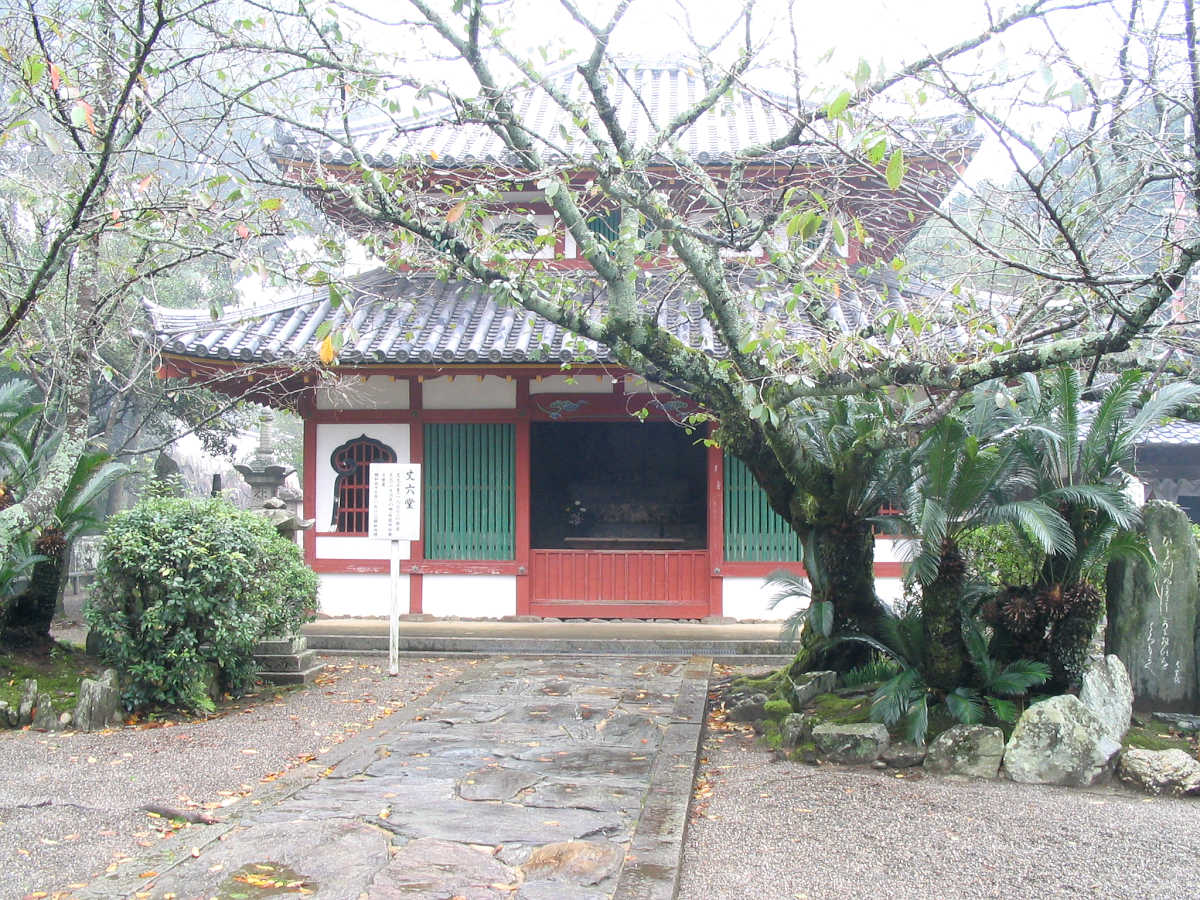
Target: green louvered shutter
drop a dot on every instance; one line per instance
(470, 491)
(753, 531)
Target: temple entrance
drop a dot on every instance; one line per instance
(618, 520)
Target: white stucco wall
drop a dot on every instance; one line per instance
(469, 596)
(372, 392)
(338, 547)
(329, 438)
(359, 595)
(582, 384)
(749, 598)
(469, 392)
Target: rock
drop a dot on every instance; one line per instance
(972, 750)
(903, 755)
(497, 783)
(812, 684)
(1152, 611)
(795, 729)
(1106, 691)
(29, 693)
(579, 862)
(44, 716)
(1060, 741)
(1160, 771)
(1180, 721)
(98, 705)
(64, 720)
(750, 709)
(853, 744)
(8, 716)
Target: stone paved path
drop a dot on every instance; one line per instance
(528, 779)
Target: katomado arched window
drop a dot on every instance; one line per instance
(352, 487)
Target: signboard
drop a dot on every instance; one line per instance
(395, 515)
(395, 511)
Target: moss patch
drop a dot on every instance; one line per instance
(58, 674)
(833, 709)
(1157, 736)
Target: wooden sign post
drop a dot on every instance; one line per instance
(395, 515)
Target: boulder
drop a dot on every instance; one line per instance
(44, 716)
(972, 750)
(1160, 771)
(750, 709)
(1106, 691)
(812, 684)
(795, 729)
(8, 716)
(99, 703)
(1152, 611)
(853, 744)
(903, 755)
(1060, 741)
(29, 693)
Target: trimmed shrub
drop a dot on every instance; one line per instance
(184, 589)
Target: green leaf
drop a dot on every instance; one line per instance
(839, 104)
(271, 204)
(33, 69)
(820, 615)
(895, 169)
(964, 706)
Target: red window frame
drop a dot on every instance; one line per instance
(352, 487)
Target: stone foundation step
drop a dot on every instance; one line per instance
(372, 643)
(291, 662)
(286, 661)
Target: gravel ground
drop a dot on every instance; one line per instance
(764, 828)
(71, 804)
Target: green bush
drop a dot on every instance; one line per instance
(184, 590)
(996, 555)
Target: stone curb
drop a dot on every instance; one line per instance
(652, 866)
(509, 646)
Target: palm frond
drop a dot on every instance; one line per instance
(894, 697)
(1039, 520)
(1004, 710)
(1019, 676)
(965, 705)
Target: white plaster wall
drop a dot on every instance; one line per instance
(583, 384)
(469, 392)
(892, 550)
(358, 548)
(749, 598)
(372, 392)
(329, 438)
(890, 590)
(359, 595)
(469, 596)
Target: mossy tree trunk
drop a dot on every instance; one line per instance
(26, 620)
(842, 573)
(941, 608)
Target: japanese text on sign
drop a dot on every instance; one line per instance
(395, 512)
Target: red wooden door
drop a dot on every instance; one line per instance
(659, 584)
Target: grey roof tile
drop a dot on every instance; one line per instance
(646, 95)
(412, 318)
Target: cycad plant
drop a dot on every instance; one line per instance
(1080, 459)
(968, 475)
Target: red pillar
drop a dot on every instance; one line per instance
(416, 454)
(716, 528)
(523, 482)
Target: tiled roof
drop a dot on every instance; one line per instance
(1172, 432)
(646, 97)
(419, 318)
